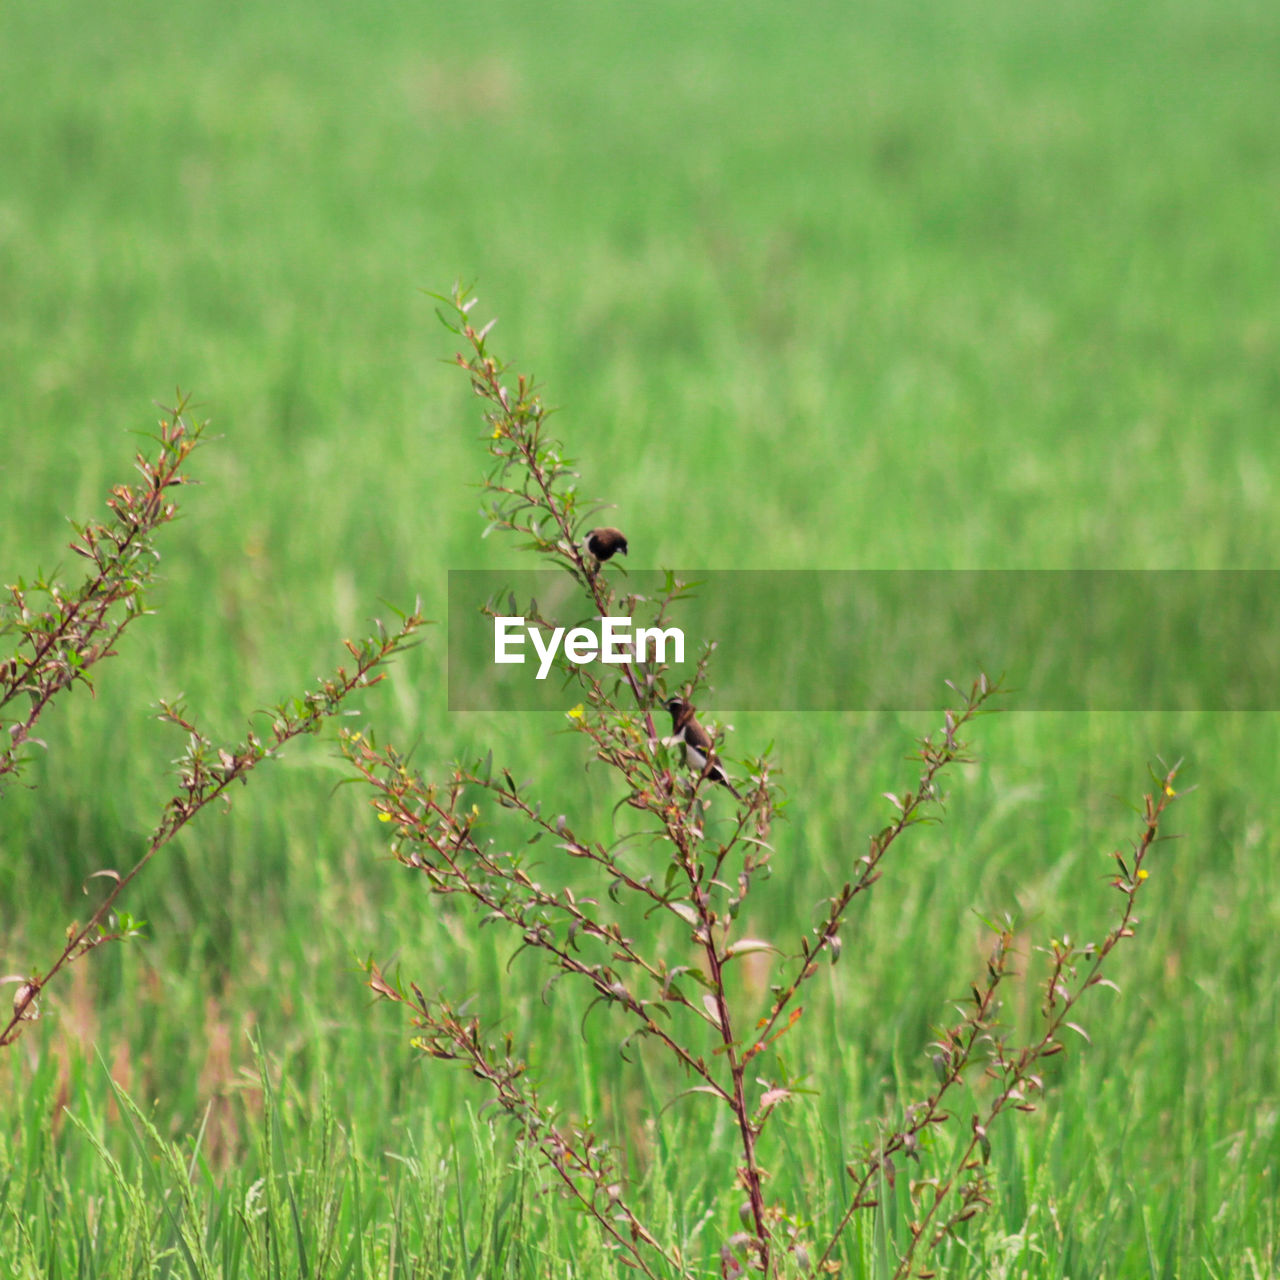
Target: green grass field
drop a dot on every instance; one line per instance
(818, 286)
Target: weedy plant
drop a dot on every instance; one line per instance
(606, 941)
(60, 635)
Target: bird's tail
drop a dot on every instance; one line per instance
(717, 774)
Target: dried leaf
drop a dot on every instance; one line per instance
(749, 945)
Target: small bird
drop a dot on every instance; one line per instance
(603, 543)
(697, 742)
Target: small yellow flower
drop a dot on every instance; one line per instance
(576, 713)
(497, 431)
(1143, 873)
(384, 817)
(1169, 791)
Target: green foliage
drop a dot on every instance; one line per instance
(814, 286)
(58, 643)
(302, 1202)
(597, 930)
(57, 646)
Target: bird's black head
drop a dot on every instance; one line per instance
(605, 542)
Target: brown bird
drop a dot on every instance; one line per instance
(603, 543)
(697, 743)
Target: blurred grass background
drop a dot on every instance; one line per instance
(823, 286)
